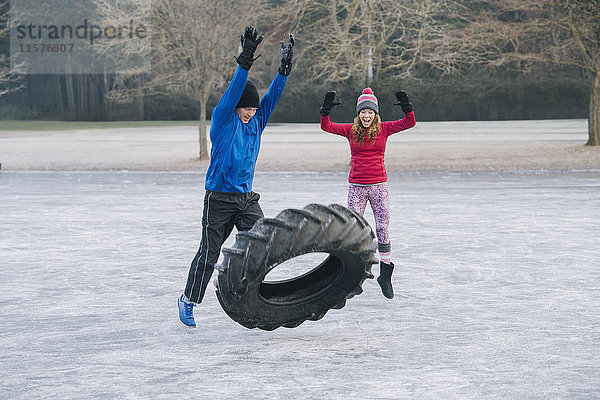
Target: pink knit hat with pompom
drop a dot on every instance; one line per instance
(367, 100)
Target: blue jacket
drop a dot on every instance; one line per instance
(235, 145)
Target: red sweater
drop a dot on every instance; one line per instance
(367, 164)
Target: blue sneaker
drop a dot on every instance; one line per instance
(186, 313)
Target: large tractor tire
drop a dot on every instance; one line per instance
(255, 303)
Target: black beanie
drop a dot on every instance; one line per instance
(249, 96)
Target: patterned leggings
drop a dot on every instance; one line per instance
(378, 196)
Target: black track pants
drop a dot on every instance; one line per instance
(222, 211)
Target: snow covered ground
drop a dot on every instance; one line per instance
(497, 293)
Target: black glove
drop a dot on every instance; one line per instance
(403, 102)
(250, 41)
(329, 103)
(287, 51)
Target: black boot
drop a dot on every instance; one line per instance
(385, 279)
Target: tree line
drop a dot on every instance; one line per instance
(459, 60)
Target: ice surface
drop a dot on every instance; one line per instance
(497, 293)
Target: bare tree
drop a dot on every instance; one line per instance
(10, 78)
(563, 32)
(194, 43)
(363, 40)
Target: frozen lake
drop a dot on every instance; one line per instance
(497, 293)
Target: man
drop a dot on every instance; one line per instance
(236, 127)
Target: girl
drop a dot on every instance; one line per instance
(368, 178)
